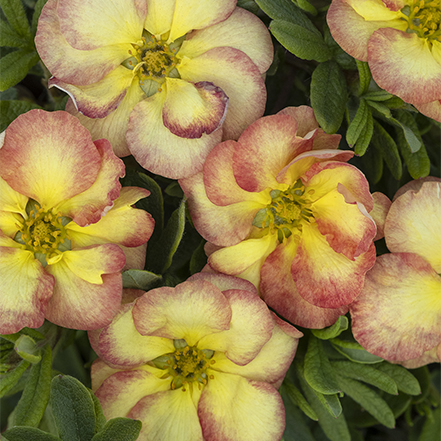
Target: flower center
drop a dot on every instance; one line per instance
(153, 60)
(43, 233)
(423, 18)
(187, 365)
(287, 211)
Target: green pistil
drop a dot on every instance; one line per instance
(287, 211)
(187, 365)
(423, 18)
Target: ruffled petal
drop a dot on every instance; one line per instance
(10, 223)
(279, 291)
(25, 290)
(193, 109)
(159, 16)
(67, 63)
(11, 200)
(99, 99)
(250, 328)
(392, 60)
(120, 344)
(89, 25)
(258, 415)
(114, 126)
(120, 392)
(273, 360)
(99, 370)
(240, 79)
(189, 311)
(398, 314)
(88, 287)
(160, 151)
(381, 207)
(242, 30)
(413, 224)
(432, 109)
(89, 206)
(224, 282)
(168, 415)
(326, 278)
(49, 157)
(431, 356)
(122, 224)
(194, 14)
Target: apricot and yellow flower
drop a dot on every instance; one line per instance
(162, 80)
(397, 316)
(201, 361)
(281, 208)
(401, 41)
(64, 223)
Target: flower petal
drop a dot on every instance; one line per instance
(258, 415)
(326, 278)
(160, 151)
(25, 290)
(242, 30)
(89, 25)
(193, 109)
(159, 16)
(381, 207)
(432, 109)
(250, 328)
(279, 291)
(122, 224)
(120, 344)
(168, 415)
(37, 163)
(120, 392)
(90, 205)
(431, 356)
(11, 200)
(224, 282)
(239, 78)
(67, 63)
(194, 14)
(99, 99)
(189, 311)
(413, 224)
(398, 314)
(88, 287)
(392, 55)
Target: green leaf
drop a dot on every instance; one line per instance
(306, 6)
(380, 108)
(405, 381)
(297, 398)
(379, 95)
(26, 347)
(15, 66)
(37, 11)
(160, 254)
(301, 41)
(73, 409)
(357, 124)
(33, 402)
(365, 76)
(367, 374)
(354, 351)
(119, 429)
(9, 38)
(365, 137)
(100, 419)
(318, 371)
(328, 95)
(198, 258)
(10, 379)
(368, 399)
(16, 16)
(340, 325)
(249, 5)
(28, 434)
(385, 144)
(431, 427)
(410, 135)
(140, 279)
(9, 110)
(284, 9)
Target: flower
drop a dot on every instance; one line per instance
(155, 77)
(281, 208)
(62, 219)
(200, 361)
(401, 41)
(397, 316)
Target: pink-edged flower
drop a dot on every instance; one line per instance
(397, 316)
(201, 361)
(162, 80)
(401, 41)
(281, 208)
(64, 223)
